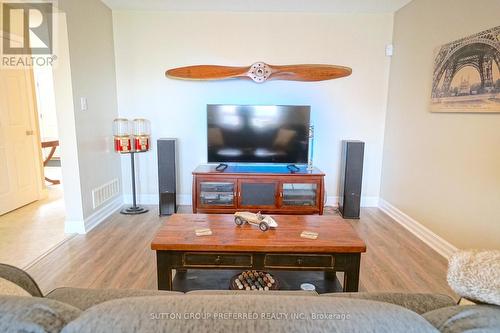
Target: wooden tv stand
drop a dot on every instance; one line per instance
(268, 189)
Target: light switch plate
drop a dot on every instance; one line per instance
(83, 104)
(389, 50)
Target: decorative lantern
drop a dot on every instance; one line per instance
(121, 132)
(142, 133)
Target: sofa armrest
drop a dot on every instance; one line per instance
(20, 278)
(466, 318)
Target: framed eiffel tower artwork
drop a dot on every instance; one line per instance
(466, 74)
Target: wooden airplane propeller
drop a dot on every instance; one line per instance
(260, 72)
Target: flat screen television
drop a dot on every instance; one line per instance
(258, 133)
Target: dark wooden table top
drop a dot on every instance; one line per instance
(335, 235)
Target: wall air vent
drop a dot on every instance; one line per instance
(104, 193)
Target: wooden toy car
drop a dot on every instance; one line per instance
(263, 221)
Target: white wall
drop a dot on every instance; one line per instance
(63, 96)
(148, 43)
(441, 169)
(90, 36)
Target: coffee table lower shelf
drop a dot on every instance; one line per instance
(203, 279)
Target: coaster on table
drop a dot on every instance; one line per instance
(309, 235)
(203, 232)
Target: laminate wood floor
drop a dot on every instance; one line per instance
(31, 231)
(116, 254)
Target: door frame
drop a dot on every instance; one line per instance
(66, 125)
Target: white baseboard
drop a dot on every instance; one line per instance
(184, 199)
(437, 243)
(97, 217)
(89, 223)
(142, 199)
(365, 201)
(332, 201)
(152, 199)
(369, 201)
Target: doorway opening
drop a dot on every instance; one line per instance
(47, 120)
(35, 110)
(31, 209)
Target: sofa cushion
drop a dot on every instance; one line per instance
(476, 275)
(247, 313)
(467, 318)
(86, 298)
(417, 302)
(34, 314)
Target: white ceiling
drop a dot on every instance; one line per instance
(331, 6)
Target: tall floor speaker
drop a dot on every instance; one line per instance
(167, 179)
(351, 178)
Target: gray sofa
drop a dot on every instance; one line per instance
(89, 310)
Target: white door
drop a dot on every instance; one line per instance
(20, 165)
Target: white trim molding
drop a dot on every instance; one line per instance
(97, 217)
(366, 201)
(89, 223)
(437, 243)
(369, 201)
(153, 199)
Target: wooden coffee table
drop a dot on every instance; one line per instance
(338, 247)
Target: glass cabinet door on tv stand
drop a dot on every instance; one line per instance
(299, 195)
(217, 193)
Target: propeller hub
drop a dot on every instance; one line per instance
(259, 72)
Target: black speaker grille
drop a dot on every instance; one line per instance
(167, 179)
(351, 178)
(166, 166)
